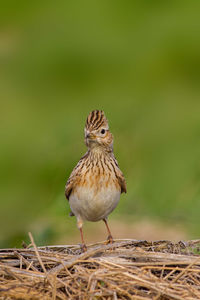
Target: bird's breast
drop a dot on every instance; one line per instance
(95, 197)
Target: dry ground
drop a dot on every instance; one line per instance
(127, 269)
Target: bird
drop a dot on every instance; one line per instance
(96, 183)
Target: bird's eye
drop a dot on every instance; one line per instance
(103, 131)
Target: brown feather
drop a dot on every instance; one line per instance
(95, 120)
(122, 183)
(68, 189)
(75, 176)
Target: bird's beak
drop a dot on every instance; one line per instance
(90, 136)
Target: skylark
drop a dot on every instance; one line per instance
(95, 184)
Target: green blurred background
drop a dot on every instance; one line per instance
(139, 61)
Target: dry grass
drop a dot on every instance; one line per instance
(128, 269)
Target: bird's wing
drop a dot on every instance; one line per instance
(72, 181)
(122, 182)
(74, 177)
(69, 186)
(120, 177)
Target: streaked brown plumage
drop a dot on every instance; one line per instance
(95, 184)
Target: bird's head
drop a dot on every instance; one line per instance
(97, 132)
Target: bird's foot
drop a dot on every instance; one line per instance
(109, 239)
(83, 247)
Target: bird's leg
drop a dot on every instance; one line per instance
(83, 245)
(109, 238)
(80, 225)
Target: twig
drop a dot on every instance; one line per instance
(37, 254)
(85, 255)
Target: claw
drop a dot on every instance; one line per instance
(83, 247)
(109, 240)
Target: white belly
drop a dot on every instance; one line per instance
(93, 205)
